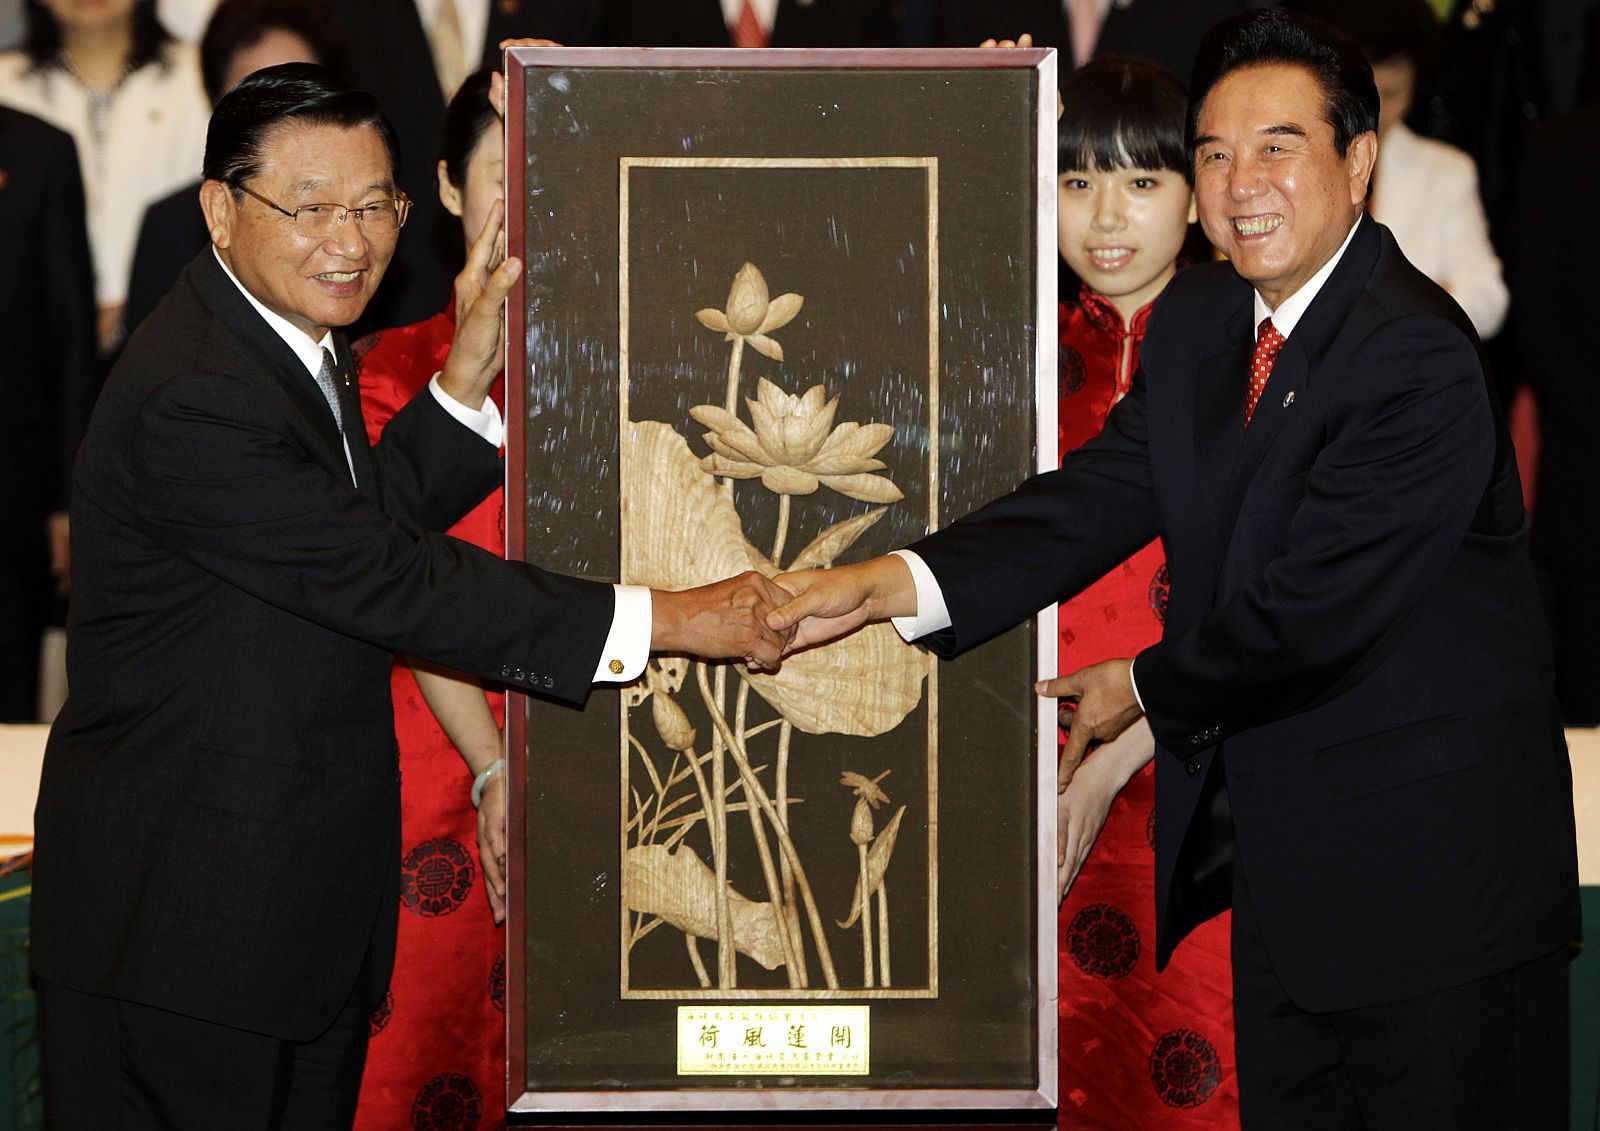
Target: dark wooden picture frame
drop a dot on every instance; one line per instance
(700, 913)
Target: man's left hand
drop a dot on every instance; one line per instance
(1106, 708)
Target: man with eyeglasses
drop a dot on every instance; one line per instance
(217, 832)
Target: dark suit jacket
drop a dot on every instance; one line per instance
(699, 23)
(395, 65)
(47, 380)
(218, 818)
(1352, 620)
(1556, 306)
(1164, 31)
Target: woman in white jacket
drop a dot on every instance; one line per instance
(107, 72)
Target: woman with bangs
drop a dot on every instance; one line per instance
(1139, 1048)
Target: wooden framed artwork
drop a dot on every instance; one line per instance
(780, 310)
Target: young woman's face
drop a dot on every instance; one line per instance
(1121, 230)
(473, 200)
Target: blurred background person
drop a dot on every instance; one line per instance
(107, 72)
(1163, 31)
(1557, 306)
(47, 386)
(750, 23)
(1424, 191)
(441, 1016)
(411, 55)
(242, 37)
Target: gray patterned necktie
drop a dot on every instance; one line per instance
(326, 378)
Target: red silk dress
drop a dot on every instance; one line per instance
(1139, 1050)
(436, 1060)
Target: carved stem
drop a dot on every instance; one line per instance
(754, 790)
(866, 920)
(769, 873)
(717, 858)
(783, 527)
(717, 819)
(735, 357)
(694, 957)
(790, 908)
(883, 933)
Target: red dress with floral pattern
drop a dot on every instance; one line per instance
(437, 1055)
(1139, 1050)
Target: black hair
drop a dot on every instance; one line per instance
(238, 25)
(1123, 113)
(1278, 36)
(289, 92)
(465, 120)
(42, 37)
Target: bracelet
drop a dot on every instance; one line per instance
(482, 780)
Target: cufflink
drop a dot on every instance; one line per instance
(615, 667)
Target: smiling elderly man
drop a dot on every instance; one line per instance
(217, 856)
(1353, 690)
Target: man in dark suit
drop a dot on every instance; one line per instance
(1353, 689)
(47, 384)
(217, 829)
(391, 56)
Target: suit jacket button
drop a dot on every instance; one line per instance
(1194, 740)
(549, 681)
(505, 672)
(519, 674)
(1192, 767)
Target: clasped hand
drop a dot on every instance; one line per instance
(727, 619)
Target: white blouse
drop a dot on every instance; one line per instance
(152, 141)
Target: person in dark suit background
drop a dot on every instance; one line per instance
(1556, 296)
(1360, 750)
(748, 23)
(216, 868)
(242, 36)
(1167, 32)
(405, 54)
(47, 384)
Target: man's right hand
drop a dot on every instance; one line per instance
(724, 620)
(828, 603)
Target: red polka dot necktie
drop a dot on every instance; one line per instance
(1268, 343)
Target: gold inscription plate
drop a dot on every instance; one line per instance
(785, 1040)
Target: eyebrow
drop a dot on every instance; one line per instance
(1283, 129)
(316, 184)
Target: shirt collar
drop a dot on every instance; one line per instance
(309, 352)
(1287, 316)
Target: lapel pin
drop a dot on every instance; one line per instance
(1288, 400)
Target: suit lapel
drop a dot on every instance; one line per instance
(223, 298)
(355, 430)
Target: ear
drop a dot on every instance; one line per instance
(1360, 160)
(449, 195)
(220, 210)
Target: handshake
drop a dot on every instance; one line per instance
(759, 620)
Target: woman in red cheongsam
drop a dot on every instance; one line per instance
(437, 1054)
(1138, 1049)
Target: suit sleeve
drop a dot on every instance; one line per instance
(1049, 538)
(68, 282)
(431, 468)
(1387, 505)
(221, 483)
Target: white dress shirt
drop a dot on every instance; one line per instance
(933, 615)
(628, 640)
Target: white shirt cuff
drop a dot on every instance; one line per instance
(628, 643)
(932, 613)
(484, 421)
(1136, 696)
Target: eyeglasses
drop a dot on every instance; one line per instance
(318, 221)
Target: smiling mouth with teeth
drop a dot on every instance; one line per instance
(340, 276)
(1256, 225)
(1110, 255)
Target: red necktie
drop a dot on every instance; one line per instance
(1268, 343)
(747, 31)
